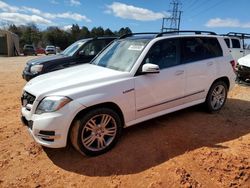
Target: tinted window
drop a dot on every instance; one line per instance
(199, 48)
(107, 41)
(227, 42)
(163, 54)
(94, 47)
(236, 43)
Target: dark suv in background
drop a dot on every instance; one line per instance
(82, 51)
(29, 50)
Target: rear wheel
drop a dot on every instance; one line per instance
(96, 132)
(216, 96)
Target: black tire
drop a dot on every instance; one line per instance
(87, 131)
(216, 99)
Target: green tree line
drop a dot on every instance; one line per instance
(31, 34)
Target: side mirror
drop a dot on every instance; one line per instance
(150, 68)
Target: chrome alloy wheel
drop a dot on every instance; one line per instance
(99, 132)
(218, 97)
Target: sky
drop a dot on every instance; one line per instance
(220, 16)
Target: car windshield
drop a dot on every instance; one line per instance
(70, 51)
(121, 55)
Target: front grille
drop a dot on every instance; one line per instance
(27, 98)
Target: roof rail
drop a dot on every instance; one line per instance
(168, 32)
(239, 35)
(186, 31)
(132, 34)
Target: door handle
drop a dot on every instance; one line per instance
(179, 72)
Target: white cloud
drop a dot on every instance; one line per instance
(135, 13)
(74, 2)
(32, 10)
(66, 27)
(228, 22)
(54, 2)
(73, 16)
(19, 19)
(7, 8)
(36, 14)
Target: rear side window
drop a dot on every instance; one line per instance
(199, 48)
(227, 42)
(236, 43)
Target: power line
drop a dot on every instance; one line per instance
(198, 5)
(192, 3)
(207, 9)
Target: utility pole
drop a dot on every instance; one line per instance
(172, 23)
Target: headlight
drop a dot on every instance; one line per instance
(51, 104)
(36, 69)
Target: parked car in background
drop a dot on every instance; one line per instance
(235, 43)
(82, 51)
(134, 79)
(50, 50)
(29, 50)
(243, 68)
(40, 51)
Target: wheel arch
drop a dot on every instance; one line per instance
(224, 79)
(109, 105)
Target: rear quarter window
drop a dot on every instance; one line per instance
(236, 43)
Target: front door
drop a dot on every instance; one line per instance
(164, 90)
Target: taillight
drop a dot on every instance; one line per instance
(233, 63)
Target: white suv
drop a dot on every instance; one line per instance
(136, 78)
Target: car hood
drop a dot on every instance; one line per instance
(245, 61)
(46, 59)
(70, 80)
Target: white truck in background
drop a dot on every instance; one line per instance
(236, 43)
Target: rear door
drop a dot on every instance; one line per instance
(200, 55)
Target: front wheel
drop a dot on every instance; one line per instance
(96, 132)
(216, 96)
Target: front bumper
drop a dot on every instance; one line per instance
(243, 72)
(51, 129)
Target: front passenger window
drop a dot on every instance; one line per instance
(163, 54)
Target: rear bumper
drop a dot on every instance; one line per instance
(50, 52)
